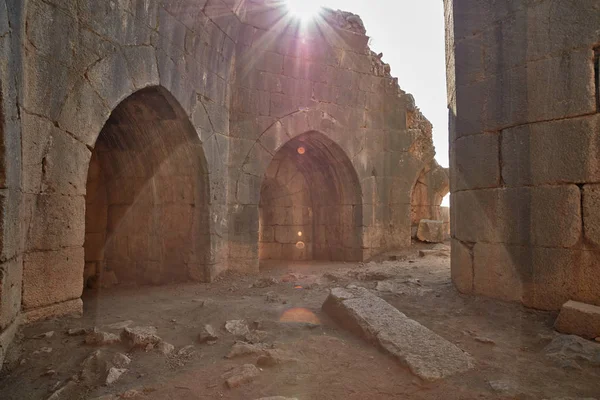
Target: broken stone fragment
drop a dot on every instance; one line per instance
(431, 231)
(99, 338)
(141, 336)
(241, 349)
(78, 331)
(265, 282)
(165, 348)
(426, 354)
(114, 374)
(241, 375)
(256, 336)
(579, 319)
(237, 327)
(46, 335)
(275, 357)
(120, 360)
(46, 350)
(208, 335)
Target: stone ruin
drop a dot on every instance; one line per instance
(157, 141)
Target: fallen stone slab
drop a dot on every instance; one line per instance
(241, 375)
(426, 354)
(579, 319)
(431, 231)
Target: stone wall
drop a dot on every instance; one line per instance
(524, 110)
(87, 151)
(427, 195)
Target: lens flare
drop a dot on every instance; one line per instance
(300, 315)
(301, 150)
(305, 10)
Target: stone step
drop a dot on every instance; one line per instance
(426, 354)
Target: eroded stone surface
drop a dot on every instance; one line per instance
(425, 353)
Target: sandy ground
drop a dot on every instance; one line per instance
(507, 340)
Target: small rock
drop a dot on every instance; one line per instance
(78, 331)
(120, 360)
(120, 325)
(65, 392)
(208, 335)
(187, 351)
(484, 340)
(241, 349)
(275, 357)
(49, 372)
(165, 348)
(272, 297)
(99, 338)
(265, 282)
(241, 375)
(114, 374)
(141, 336)
(46, 335)
(46, 350)
(256, 336)
(237, 327)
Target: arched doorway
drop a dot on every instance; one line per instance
(147, 196)
(310, 203)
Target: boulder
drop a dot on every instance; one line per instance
(579, 319)
(431, 231)
(426, 354)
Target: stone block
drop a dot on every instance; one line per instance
(475, 162)
(580, 319)
(462, 267)
(52, 277)
(551, 152)
(67, 308)
(64, 164)
(58, 221)
(426, 354)
(591, 213)
(111, 79)
(431, 231)
(499, 270)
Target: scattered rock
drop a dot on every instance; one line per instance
(241, 349)
(65, 392)
(78, 331)
(265, 282)
(46, 335)
(275, 357)
(241, 375)
(237, 327)
(120, 325)
(570, 350)
(141, 336)
(277, 398)
(187, 351)
(120, 360)
(114, 374)
(208, 335)
(256, 336)
(427, 355)
(165, 348)
(504, 387)
(49, 372)
(46, 350)
(100, 338)
(273, 297)
(579, 319)
(484, 340)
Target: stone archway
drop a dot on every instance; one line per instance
(147, 196)
(310, 203)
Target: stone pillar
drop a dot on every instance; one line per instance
(524, 128)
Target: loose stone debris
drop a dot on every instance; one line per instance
(241, 375)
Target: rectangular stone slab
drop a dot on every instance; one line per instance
(426, 354)
(579, 319)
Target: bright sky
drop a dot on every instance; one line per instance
(410, 34)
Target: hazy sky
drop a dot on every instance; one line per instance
(410, 34)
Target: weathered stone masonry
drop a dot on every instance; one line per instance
(151, 142)
(524, 133)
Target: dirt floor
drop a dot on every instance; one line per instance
(508, 342)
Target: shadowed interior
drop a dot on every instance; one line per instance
(310, 205)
